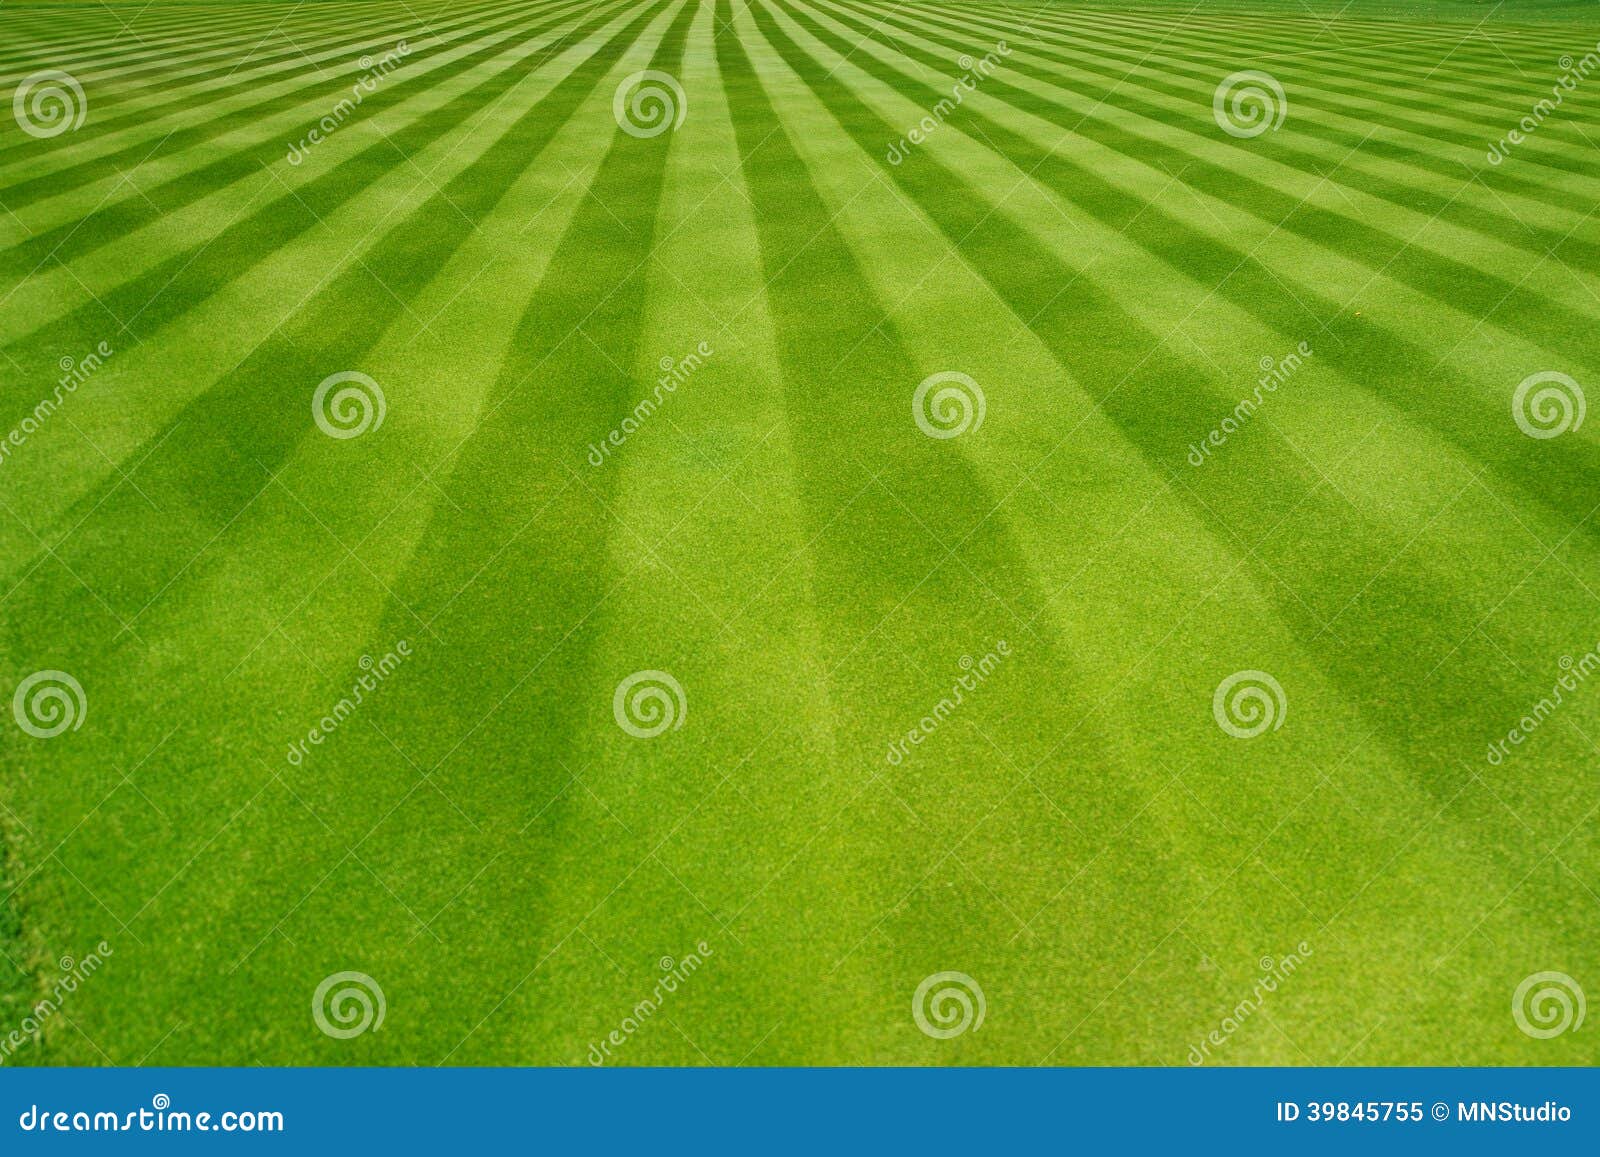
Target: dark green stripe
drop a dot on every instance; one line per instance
(105, 100)
(1457, 283)
(330, 90)
(1158, 404)
(171, 289)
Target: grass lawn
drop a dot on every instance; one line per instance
(932, 533)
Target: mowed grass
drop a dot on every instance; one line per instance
(1080, 237)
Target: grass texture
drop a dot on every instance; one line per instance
(1171, 648)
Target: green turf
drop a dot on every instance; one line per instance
(1080, 835)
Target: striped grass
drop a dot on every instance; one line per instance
(520, 273)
